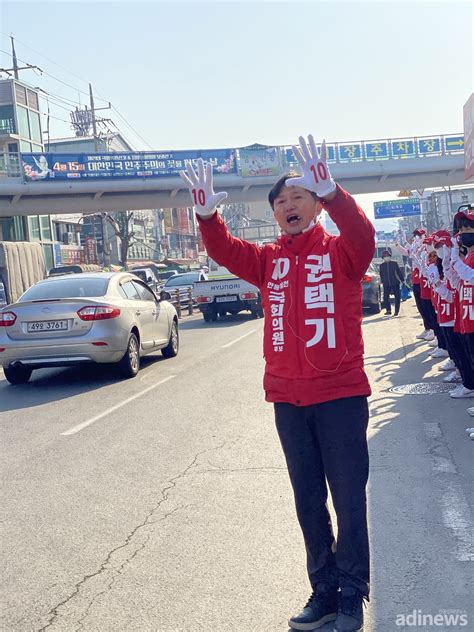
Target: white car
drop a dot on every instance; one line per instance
(100, 317)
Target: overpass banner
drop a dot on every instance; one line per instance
(119, 166)
(259, 160)
(397, 208)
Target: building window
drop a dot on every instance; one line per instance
(35, 127)
(32, 99)
(7, 120)
(48, 257)
(20, 94)
(34, 228)
(36, 148)
(45, 225)
(23, 125)
(25, 147)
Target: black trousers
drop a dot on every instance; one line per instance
(430, 316)
(326, 444)
(459, 353)
(391, 289)
(416, 294)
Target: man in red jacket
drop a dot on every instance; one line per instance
(310, 283)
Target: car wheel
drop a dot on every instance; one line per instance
(129, 365)
(171, 350)
(17, 374)
(207, 317)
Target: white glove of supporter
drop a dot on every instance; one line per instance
(315, 176)
(446, 253)
(433, 274)
(455, 255)
(200, 186)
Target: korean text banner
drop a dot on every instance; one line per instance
(123, 165)
(259, 162)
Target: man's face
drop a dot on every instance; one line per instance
(295, 208)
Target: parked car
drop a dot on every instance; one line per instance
(372, 290)
(184, 282)
(101, 317)
(148, 276)
(3, 295)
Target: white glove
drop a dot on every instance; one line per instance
(446, 255)
(433, 273)
(455, 254)
(200, 186)
(316, 176)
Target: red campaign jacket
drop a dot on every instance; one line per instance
(466, 302)
(425, 288)
(445, 312)
(311, 297)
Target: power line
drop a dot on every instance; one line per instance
(133, 130)
(44, 72)
(80, 92)
(47, 58)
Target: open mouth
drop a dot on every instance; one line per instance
(293, 219)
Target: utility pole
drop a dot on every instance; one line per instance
(17, 68)
(94, 123)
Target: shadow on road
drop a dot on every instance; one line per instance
(49, 385)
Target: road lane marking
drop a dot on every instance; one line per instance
(229, 344)
(454, 506)
(455, 511)
(84, 424)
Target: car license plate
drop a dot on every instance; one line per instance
(47, 325)
(225, 299)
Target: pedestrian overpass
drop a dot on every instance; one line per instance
(33, 184)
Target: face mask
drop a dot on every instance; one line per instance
(386, 258)
(467, 239)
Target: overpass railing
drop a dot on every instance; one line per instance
(252, 161)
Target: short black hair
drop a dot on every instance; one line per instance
(278, 186)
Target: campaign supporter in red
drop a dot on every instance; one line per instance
(314, 374)
(410, 250)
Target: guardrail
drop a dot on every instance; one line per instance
(182, 300)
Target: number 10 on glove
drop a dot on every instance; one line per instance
(200, 185)
(315, 176)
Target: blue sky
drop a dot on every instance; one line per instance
(220, 74)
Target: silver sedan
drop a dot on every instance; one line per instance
(96, 317)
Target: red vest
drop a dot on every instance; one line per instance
(466, 302)
(425, 288)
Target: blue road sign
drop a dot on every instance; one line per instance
(350, 152)
(429, 145)
(454, 143)
(330, 154)
(397, 208)
(376, 150)
(402, 148)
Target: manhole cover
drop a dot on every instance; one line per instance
(423, 388)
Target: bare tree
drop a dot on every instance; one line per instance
(122, 223)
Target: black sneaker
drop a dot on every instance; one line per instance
(321, 608)
(388, 313)
(350, 617)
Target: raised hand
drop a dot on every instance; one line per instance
(205, 201)
(315, 176)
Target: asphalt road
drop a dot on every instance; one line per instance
(163, 503)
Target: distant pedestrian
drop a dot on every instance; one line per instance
(391, 276)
